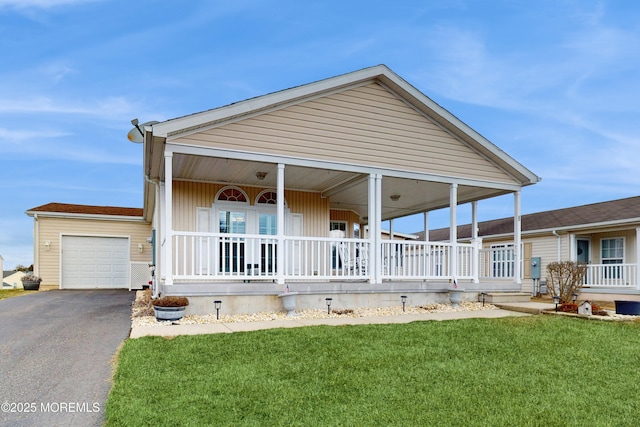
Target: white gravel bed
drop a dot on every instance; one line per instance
(315, 314)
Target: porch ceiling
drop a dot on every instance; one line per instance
(345, 190)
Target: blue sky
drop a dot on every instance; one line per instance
(555, 84)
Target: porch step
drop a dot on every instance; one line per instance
(505, 297)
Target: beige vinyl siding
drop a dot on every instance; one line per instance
(367, 126)
(187, 196)
(51, 229)
(629, 245)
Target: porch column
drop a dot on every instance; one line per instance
(378, 235)
(517, 231)
(168, 217)
(475, 258)
(453, 230)
(371, 209)
(280, 225)
(426, 226)
(427, 252)
(638, 258)
(390, 229)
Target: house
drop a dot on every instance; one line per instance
(604, 235)
(11, 279)
(85, 247)
(270, 193)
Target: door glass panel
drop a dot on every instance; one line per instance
(267, 225)
(231, 256)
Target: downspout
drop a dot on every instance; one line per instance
(154, 282)
(36, 246)
(555, 233)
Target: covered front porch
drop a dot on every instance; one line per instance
(291, 248)
(288, 192)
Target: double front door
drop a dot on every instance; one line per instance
(250, 256)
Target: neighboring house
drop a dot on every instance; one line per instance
(11, 279)
(268, 194)
(605, 235)
(85, 247)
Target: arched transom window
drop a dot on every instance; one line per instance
(232, 194)
(268, 197)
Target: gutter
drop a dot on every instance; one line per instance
(70, 215)
(154, 225)
(555, 233)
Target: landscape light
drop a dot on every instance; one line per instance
(404, 301)
(328, 300)
(556, 300)
(218, 304)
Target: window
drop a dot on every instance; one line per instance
(268, 197)
(612, 251)
(232, 194)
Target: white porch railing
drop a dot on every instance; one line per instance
(497, 263)
(221, 256)
(612, 275)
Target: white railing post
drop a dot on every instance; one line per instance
(475, 260)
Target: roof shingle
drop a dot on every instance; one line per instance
(87, 209)
(614, 210)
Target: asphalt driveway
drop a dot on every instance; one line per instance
(56, 349)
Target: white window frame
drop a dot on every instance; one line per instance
(612, 272)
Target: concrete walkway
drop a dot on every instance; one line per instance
(293, 322)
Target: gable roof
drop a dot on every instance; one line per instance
(65, 208)
(380, 73)
(603, 213)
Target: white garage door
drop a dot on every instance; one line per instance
(95, 262)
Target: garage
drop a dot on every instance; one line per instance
(89, 262)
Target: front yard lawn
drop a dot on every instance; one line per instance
(542, 370)
(8, 293)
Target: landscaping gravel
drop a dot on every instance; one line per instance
(315, 314)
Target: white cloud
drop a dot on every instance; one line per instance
(45, 4)
(113, 107)
(18, 136)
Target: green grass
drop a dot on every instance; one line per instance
(9, 293)
(542, 370)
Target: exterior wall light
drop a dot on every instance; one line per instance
(47, 245)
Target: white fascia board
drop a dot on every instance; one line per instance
(86, 216)
(399, 83)
(242, 108)
(579, 227)
(338, 166)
